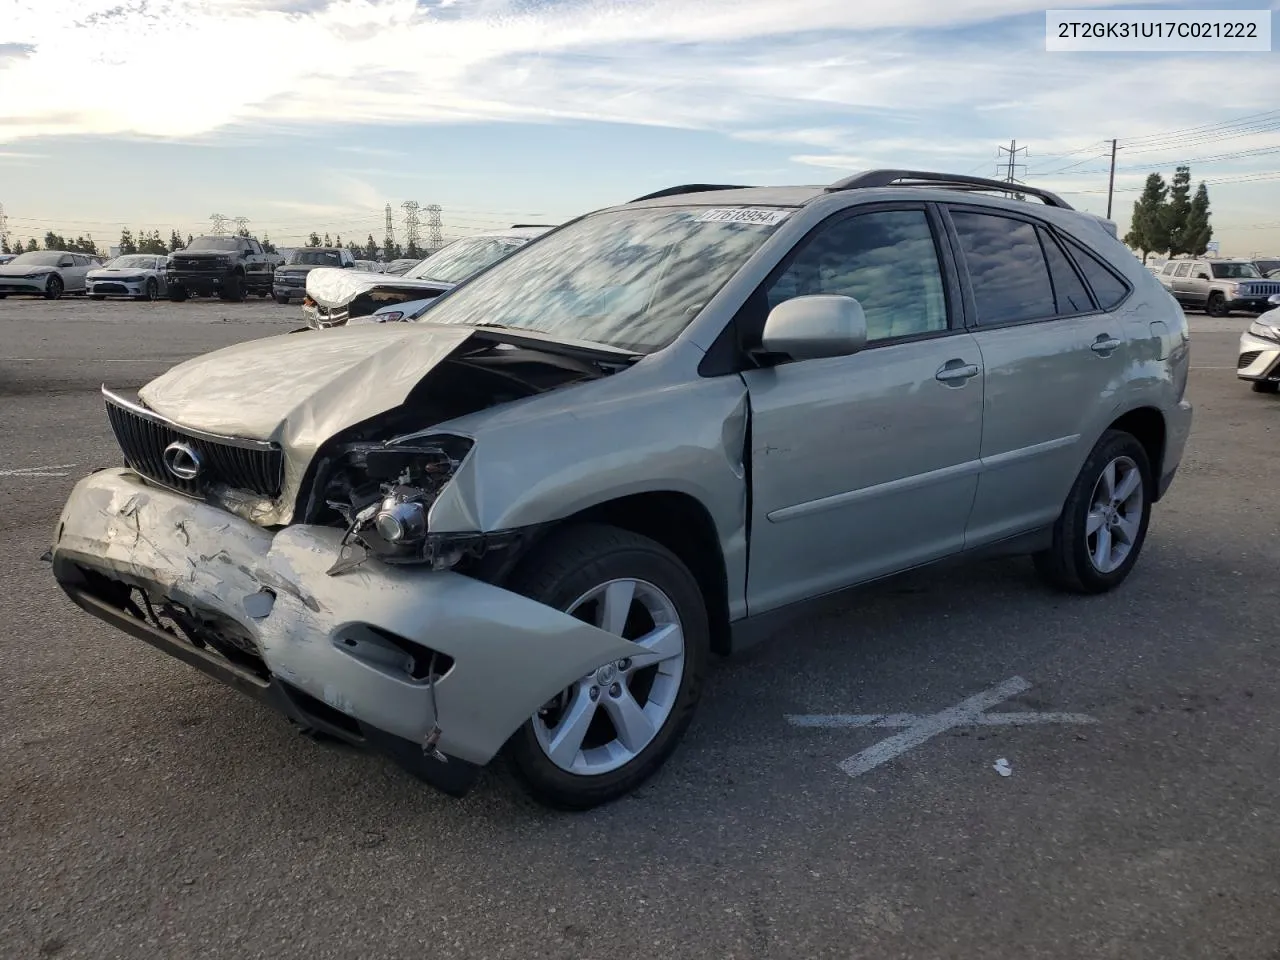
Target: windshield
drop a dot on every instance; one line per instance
(133, 260)
(397, 267)
(37, 259)
(1267, 267)
(214, 243)
(1235, 271)
(630, 278)
(319, 258)
(462, 258)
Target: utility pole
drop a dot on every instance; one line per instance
(435, 235)
(1011, 168)
(388, 238)
(1111, 183)
(219, 224)
(4, 227)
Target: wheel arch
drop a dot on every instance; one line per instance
(1147, 425)
(682, 524)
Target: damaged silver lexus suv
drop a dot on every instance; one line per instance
(525, 523)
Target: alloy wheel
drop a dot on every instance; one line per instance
(607, 718)
(1115, 514)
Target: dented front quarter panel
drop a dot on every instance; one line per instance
(511, 654)
(650, 429)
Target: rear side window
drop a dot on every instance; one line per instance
(1106, 286)
(1007, 268)
(1068, 290)
(1183, 269)
(1170, 267)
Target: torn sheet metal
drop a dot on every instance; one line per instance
(511, 654)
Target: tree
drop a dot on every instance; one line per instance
(313, 240)
(54, 242)
(370, 249)
(337, 240)
(413, 251)
(1199, 231)
(243, 232)
(267, 245)
(175, 241)
(32, 246)
(190, 239)
(1150, 228)
(327, 241)
(1178, 210)
(4, 244)
(151, 243)
(356, 251)
(126, 241)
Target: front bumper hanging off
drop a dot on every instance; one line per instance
(346, 654)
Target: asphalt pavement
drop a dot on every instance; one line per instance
(146, 811)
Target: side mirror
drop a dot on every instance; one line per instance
(813, 327)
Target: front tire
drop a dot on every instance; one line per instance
(234, 290)
(53, 288)
(610, 731)
(153, 290)
(1099, 534)
(1216, 305)
(177, 294)
(97, 296)
(280, 298)
(1265, 386)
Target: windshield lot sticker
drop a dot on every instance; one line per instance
(753, 215)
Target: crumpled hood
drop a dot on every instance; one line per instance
(300, 389)
(22, 269)
(336, 287)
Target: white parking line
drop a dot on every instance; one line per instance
(92, 359)
(38, 471)
(922, 727)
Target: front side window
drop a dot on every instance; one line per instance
(886, 260)
(1235, 271)
(1170, 267)
(630, 278)
(1006, 267)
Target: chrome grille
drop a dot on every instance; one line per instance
(143, 435)
(1260, 289)
(197, 263)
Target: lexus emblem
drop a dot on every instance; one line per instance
(183, 461)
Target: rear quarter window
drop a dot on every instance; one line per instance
(1109, 289)
(1007, 268)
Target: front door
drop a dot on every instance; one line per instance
(867, 464)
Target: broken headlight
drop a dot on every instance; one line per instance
(384, 492)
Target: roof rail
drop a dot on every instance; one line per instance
(689, 188)
(955, 181)
(530, 226)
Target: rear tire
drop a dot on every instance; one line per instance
(572, 565)
(1099, 534)
(1265, 386)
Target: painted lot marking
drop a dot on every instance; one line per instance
(51, 471)
(920, 728)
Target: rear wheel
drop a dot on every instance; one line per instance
(1217, 305)
(609, 731)
(53, 288)
(1103, 524)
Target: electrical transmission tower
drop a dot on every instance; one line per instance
(242, 225)
(435, 233)
(411, 224)
(389, 239)
(219, 224)
(4, 227)
(1009, 168)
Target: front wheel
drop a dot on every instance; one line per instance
(53, 288)
(177, 293)
(281, 298)
(609, 731)
(1217, 305)
(1265, 386)
(153, 290)
(234, 290)
(1100, 532)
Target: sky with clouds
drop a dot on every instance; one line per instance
(312, 114)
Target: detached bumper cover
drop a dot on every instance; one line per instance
(321, 638)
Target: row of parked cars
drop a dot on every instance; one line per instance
(524, 524)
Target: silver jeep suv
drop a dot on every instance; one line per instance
(652, 434)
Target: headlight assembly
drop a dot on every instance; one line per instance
(1265, 331)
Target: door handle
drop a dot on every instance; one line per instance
(1104, 344)
(956, 370)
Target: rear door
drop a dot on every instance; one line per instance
(867, 464)
(1053, 355)
(1182, 282)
